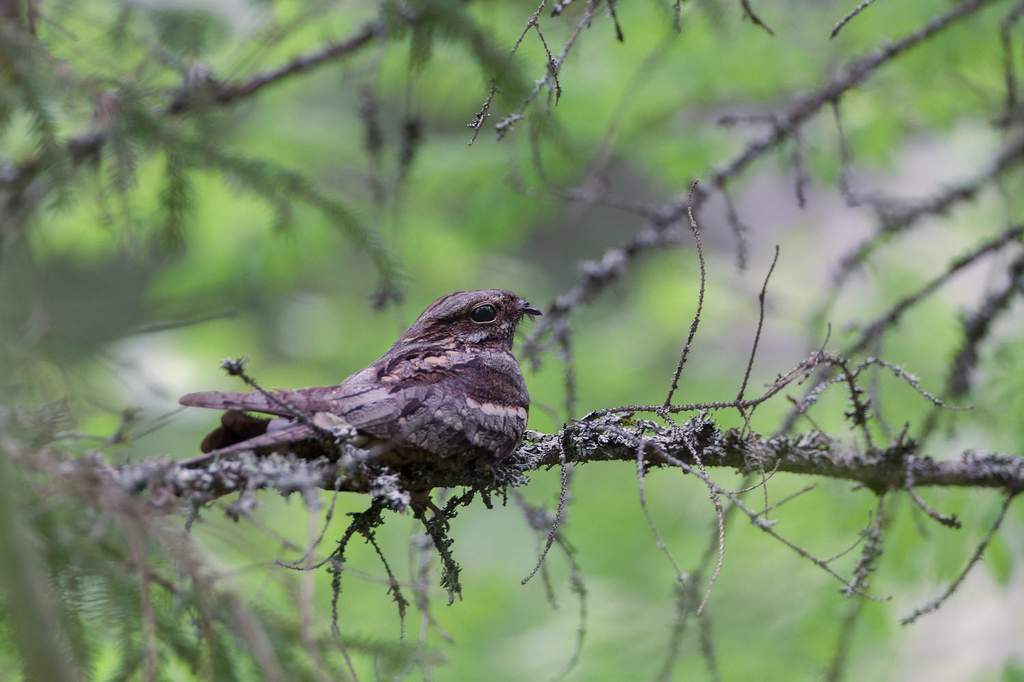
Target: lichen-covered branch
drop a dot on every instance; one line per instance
(608, 438)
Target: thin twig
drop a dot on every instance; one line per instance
(937, 603)
(837, 666)
(872, 331)
(757, 338)
(695, 322)
(748, 11)
(563, 503)
(788, 498)
(592, 283)
(845, 158)
(532, 22)
(950, 521)
(738, 227)
(863, 5)
(659, 541)
(1009, 70)
(765, 526)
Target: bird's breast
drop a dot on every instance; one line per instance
(492, 378)
(498, 409)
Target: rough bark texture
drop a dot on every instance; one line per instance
(603, 439)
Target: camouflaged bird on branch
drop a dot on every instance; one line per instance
(448, 391)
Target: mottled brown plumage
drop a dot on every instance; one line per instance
(449, 387)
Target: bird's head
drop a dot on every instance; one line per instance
(482, 317)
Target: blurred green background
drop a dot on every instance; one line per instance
(189, 241)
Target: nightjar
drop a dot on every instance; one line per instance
(449, 387)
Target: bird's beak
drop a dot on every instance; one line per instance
(528, 309)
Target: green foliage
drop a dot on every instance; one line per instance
(1000, 560)
(261, 227)
(188, 33)
(1013, 672)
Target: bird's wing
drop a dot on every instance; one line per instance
(356, 390)
(383, 413)
(375, 407)
(439, 400)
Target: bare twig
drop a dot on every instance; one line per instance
(695, 322)
(892, 316)
(845, 159)
(788, 498)
(1009, 70)
(748, 12)
(685, 595)
(837, 666)
(716, 501)
(872, 331)
(738, 227)
(950, 521)
(937, 603)
(978, 325)
(615, 21)
(863, 5)
(757, 338)
(552, 70)
(873, 536)
(800, 177)
(597, 276)
(563, 503)
(764, 525)
(850, 76)
(896, 219)
(533, 22)
(540, 521)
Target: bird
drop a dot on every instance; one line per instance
(448, 389)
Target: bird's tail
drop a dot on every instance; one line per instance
(239, 432)
(281, 403)
(235, 427)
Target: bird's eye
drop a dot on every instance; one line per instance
(483, 313)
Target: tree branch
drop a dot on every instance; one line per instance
(663, 228)
(224, 93)
(203, 92)
(607, 438)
